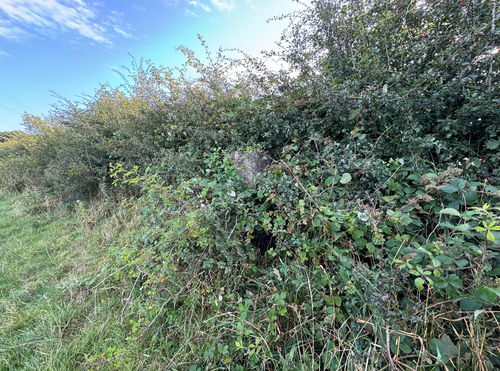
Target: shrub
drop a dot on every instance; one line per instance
(304, 268)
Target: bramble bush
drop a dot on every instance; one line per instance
(287, 272)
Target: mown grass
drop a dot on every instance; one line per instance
(56, 312)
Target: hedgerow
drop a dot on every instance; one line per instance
(370, 242)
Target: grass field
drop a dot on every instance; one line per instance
(57, 309)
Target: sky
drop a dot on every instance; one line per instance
(69, 47)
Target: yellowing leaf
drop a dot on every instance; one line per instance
(490, 236)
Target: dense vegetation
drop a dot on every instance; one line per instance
(370, 242)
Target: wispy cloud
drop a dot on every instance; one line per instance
(190, 13)
(223, 5)
(251, 4)
(120, 31)
(199, 4)
(206, 5)
(172, 3)
(10, 31)
(19, 18)
(4, 54)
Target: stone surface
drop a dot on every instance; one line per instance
(250, 163)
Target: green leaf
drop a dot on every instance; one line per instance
(443, 348)
(441, 283)
(449, 188)
(475, 161)
(454, 186)
(354, 113)
(390, 198)
(405, 219)
(490, 236)
(330, 181)
(455, 281)
(463, 227)
(446, 225)
(346, 178)
(494, 272)
(450, 211)
(470, 304)
(460, 227)
(493, 144)
(487, 294)
(446, 260)
(327, 211)
(477, 313)
(419, 283)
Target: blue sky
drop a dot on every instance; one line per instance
(70, 46)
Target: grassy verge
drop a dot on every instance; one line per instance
(59, 306)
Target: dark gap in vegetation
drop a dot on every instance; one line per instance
(263, 241)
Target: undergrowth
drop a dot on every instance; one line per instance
(307, 269)
(369, 242)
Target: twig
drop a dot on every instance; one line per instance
(388, 349)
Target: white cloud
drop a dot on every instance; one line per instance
(220, 5)
(251, 4)
(200, 5)
(4, 54)
(125, 34)
(9, 31)
(223, 5)
(47, 16)
(190, 13)
(172, 3)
